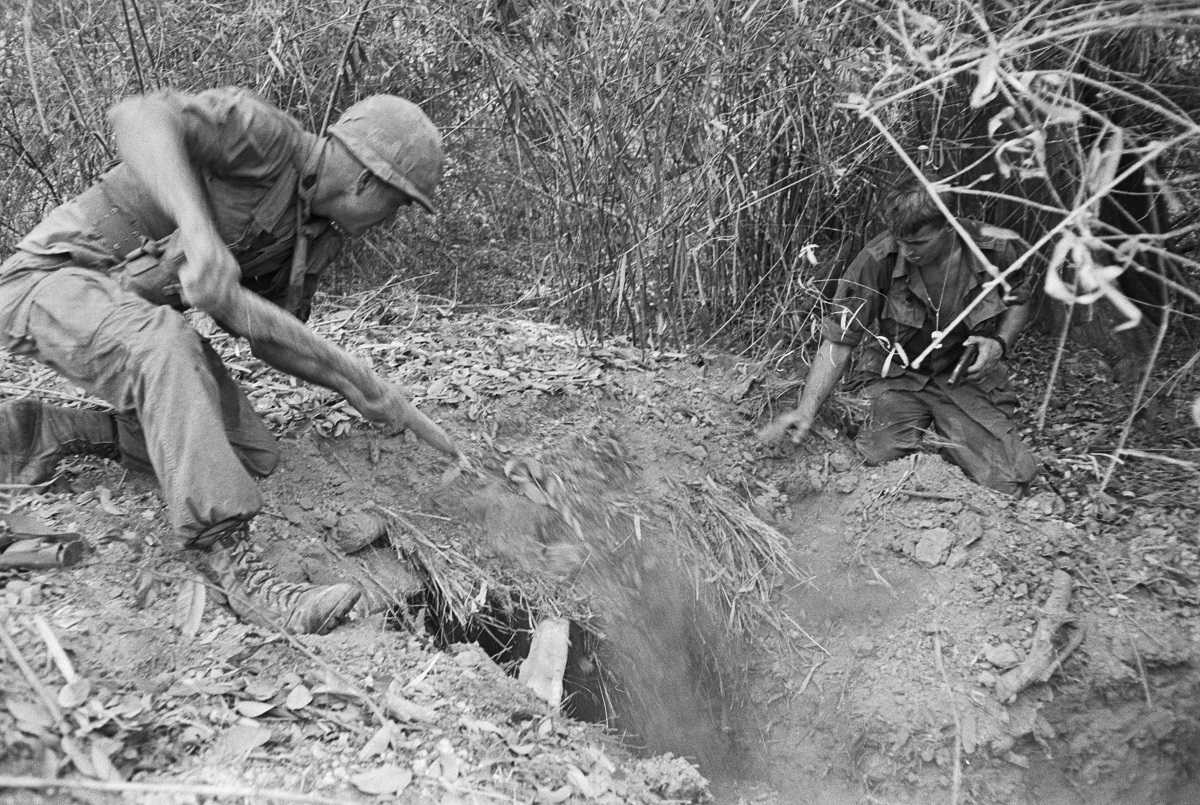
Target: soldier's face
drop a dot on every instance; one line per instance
(927, 246)
(363, 203)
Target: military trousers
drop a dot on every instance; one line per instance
(974, 425)
(179, 413)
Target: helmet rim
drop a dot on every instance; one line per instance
(386, 124)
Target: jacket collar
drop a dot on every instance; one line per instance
(312, 154)
(888, 245)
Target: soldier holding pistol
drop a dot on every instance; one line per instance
(910, 283)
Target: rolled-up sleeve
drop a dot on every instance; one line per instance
(1021, 289)
(859, 300)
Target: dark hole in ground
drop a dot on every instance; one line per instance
(676, 710)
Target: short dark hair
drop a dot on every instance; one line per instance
(908, 207)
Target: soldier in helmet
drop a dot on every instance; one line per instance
(904, 292)
(224, 204)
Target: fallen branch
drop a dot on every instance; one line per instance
(956, 778)
(1042, 661)
(257, 794)
(43, 693)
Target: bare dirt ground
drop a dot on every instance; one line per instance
(873, 670)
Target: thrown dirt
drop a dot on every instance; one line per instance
(870, 677)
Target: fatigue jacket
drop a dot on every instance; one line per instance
(258, 168)
(882, 298)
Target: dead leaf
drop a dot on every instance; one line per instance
(81, 760)
(379, 742)
(253, 709)
(298, 698)
(403, 709)
(554, 796)
(145, 588)
(452, 766)
(189, 606)
(480, 725)
(103, 766)
(739, 390)
(591, 786)
(260, 688)
(106, 503)
(240, 740)
(28, 712)
(384, 780)
(75, 693)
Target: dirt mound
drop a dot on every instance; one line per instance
(840, 632)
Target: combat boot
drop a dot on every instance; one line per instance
(256, 595)
(35, 435)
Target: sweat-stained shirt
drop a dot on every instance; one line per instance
(883, 299)
(256, 164)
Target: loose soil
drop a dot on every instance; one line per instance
(869, 675)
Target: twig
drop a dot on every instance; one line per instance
(26, 391)
(808, 677)
(341, 67)
(421, 676)
(27, 28)
(47, 698)
(1041, 661)
(137, 63)
(913, 493)
(1059, 352)
(1178, 462)
(219, 791)
(811, 639)
(1141, 391)
(56, 650)
(956, 778)
(417, 514)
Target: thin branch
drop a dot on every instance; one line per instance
(27, 27)
(341, 66)
(1137, 399)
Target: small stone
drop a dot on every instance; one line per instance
(986, 678)
(293, 513)
(1017, 760)
(840, 462)
(970, 528)
(1003, 656)
(846, 484)
(862, 646)
(934, 547)
(958, 557)
(357, 530)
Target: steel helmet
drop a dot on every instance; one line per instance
(394, 139)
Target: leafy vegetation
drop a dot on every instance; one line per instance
(683, 170)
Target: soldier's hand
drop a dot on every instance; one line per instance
(210, 275)
(396, 413)
(990, 353)
(793, 425)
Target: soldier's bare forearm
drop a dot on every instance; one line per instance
(827, 369)
(280, 340)
(1012, 323)
(283, 342)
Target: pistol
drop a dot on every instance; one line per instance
(960, 368)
